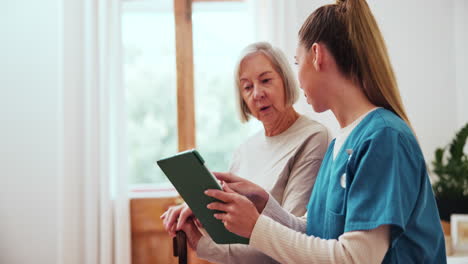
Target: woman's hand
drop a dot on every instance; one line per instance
(175, 217)
(253, 192)
(240, 215)
(192, 233)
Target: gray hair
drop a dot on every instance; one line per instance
(280, 64)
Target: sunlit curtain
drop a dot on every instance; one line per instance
(276, 22)
(106, 216)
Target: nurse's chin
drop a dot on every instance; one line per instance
(317, 108)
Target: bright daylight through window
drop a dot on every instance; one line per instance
(220, 31)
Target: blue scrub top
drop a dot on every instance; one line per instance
(379, 177)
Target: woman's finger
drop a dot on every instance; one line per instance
(163, 215)
(220, 195)
(172, 231)
(167, 213)
(184, 215)
(197, 222)
(166, 221)
(171, 218)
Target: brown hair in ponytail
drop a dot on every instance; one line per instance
(352, 36)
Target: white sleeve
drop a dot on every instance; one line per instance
(233, 253)
(289, 246)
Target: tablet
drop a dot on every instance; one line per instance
(189, 175)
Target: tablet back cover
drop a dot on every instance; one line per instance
(190, 177)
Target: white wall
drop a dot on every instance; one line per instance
(30, 131)
(71, 213)
(420, 40)
(461, 60)
(427, 43)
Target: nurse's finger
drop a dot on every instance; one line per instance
(227, 177)
(220, 195)
(219, 206)
(221, 216)
(227, 189)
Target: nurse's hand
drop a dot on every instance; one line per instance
(240, 214)
(253, 192)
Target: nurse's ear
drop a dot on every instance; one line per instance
(316, 51)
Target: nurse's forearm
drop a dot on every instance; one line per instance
(209, 250)
(288, 246)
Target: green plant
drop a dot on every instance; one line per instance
(453, 169)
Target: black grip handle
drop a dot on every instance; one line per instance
(179, 244)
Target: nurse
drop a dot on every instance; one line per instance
(372, 201)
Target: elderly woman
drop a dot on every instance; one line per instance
(284, 158)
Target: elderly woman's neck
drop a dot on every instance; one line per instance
(282, 123)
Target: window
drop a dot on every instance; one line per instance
(216, 47)
(220, 31)
(150, 82)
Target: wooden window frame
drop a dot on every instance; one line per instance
(184, 63)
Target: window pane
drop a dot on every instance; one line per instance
(150, 80)
(148, 35)
(220, 31)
